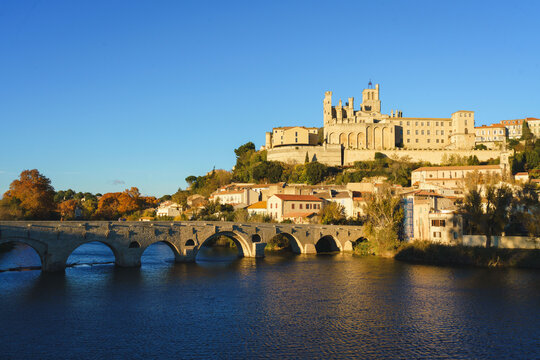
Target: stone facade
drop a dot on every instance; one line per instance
(355, 134)
(292, 135)
(54, 241)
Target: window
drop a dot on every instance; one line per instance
(416, 131)
(437, 141)
(416, 140)
(408, 123)
(400, 123)
(300, 206)
(442, 140)
(427, 124)
(308, 206)
(428, 132)
(441, 223)
(408, 132)
(436, 132)
(422, 123)
(428, 140)
(292, 206)
(416, 123)
(436, 123)
(408, 140)
(422, 132)
(442, 132)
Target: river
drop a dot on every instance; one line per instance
(283, 306)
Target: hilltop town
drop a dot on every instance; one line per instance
(436, 167)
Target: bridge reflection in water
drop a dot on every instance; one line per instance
(54, 241)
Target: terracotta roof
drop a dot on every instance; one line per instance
(299, 214)
(470, 167)
(427, 193)
(522, 173)
(297, 197)
(489, 126)
(258, 205)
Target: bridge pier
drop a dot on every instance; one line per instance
(52, 264)
(309, 249)
(258, 250)
(128, 259)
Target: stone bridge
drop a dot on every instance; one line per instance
(54, 241)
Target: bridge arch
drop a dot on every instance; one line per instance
(244, 248)
(175, 251)
(37, 246)
(114, 250)
(295, 244)
(327, 244)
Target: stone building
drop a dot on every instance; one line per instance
(453, 176)
(292, 135)
(492, 136)
(368, 128)
(355, 134)
(295, 207)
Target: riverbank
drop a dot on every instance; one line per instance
(437, 254)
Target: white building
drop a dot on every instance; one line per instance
(236, 197)
(168, 208)
(492, 136)
(343, 198)
(451, 176)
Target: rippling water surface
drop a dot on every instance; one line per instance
(283, 306)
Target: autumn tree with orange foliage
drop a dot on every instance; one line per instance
(30, 197)
(115, 205)
(68, 209)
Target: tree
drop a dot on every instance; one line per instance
(68, 209)
(244, 149)
(333, 213)
(526, 133)
(480, 147)
(383, 216)
(492, 218)
(31, 196)
(315, 172)
(191, 179)
(270, 171)
(306, 160)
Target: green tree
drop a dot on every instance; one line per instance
(383, 216)
(526, 133)
(492, 218)
(332, 213)
(315, 172)
(270, 171)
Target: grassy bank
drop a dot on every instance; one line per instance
(436, 254)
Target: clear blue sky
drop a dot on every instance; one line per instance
(104, 95)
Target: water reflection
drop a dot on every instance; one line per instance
(282, 306)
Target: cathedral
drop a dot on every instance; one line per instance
(368, 128)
